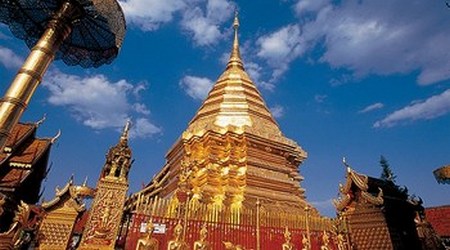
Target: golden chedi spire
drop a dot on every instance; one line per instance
(233, 152)
(235, 57)
(235, 104)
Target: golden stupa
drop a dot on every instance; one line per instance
(233, 152)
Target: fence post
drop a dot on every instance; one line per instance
(258, 226)
(308, 233)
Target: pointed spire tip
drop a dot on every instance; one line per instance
(235, 57)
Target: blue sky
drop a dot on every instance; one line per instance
(357, 79)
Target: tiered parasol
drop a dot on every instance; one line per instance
(80, 32)
(442, 174)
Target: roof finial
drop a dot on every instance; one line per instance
(85, 181)
(126, 130)
(236, 20)
(235, 57)
(344, 161)
(53, 140)
(38, 123)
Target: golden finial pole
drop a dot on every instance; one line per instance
(30, 74)
(26, 18)
(235, 57)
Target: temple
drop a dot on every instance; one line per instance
(231, 181)
(233, 151)
(23, 165)
(62, 213)
(381, 215)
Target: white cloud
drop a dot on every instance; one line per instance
(141, 108)
(255, 72)
(196, 87)
(143, 128)
(371, 37)
(95, 101)
(365, 37)
(320, 98)
(309, 5)
(201, 18)
(150, 14)
(371, 107)
(277, 111)
(433, 107)
(326, 204)
(204, 26)
(278, 49)
(9, 59)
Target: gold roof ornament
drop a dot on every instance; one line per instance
(125, 131)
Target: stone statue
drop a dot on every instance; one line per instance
(202, 244)
(177, 243)
(148, 242)
(287, 245)
(325, 241)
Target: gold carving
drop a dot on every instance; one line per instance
(202, 244)
(26, 220)
(230, 246)
(148, 242)
(61, 215)
(325, 241)
(107, 209)
(287, 245)
(177, 243)
(305, 243)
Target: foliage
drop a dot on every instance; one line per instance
(386, 172)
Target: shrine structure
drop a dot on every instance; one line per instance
(23, 166)
(105, 215)
(377, 214)
(61, 215)
(233, 170)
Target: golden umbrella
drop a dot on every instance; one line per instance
(80, 32)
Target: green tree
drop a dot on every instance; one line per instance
(386, 171)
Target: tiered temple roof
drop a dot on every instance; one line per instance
(378, 213)
(23, 166)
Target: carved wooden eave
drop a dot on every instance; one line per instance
(72, 193)
(356, 183)
(374, 200)
(24, 160)
(360, 180)
(342, 202)
(20, 133)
